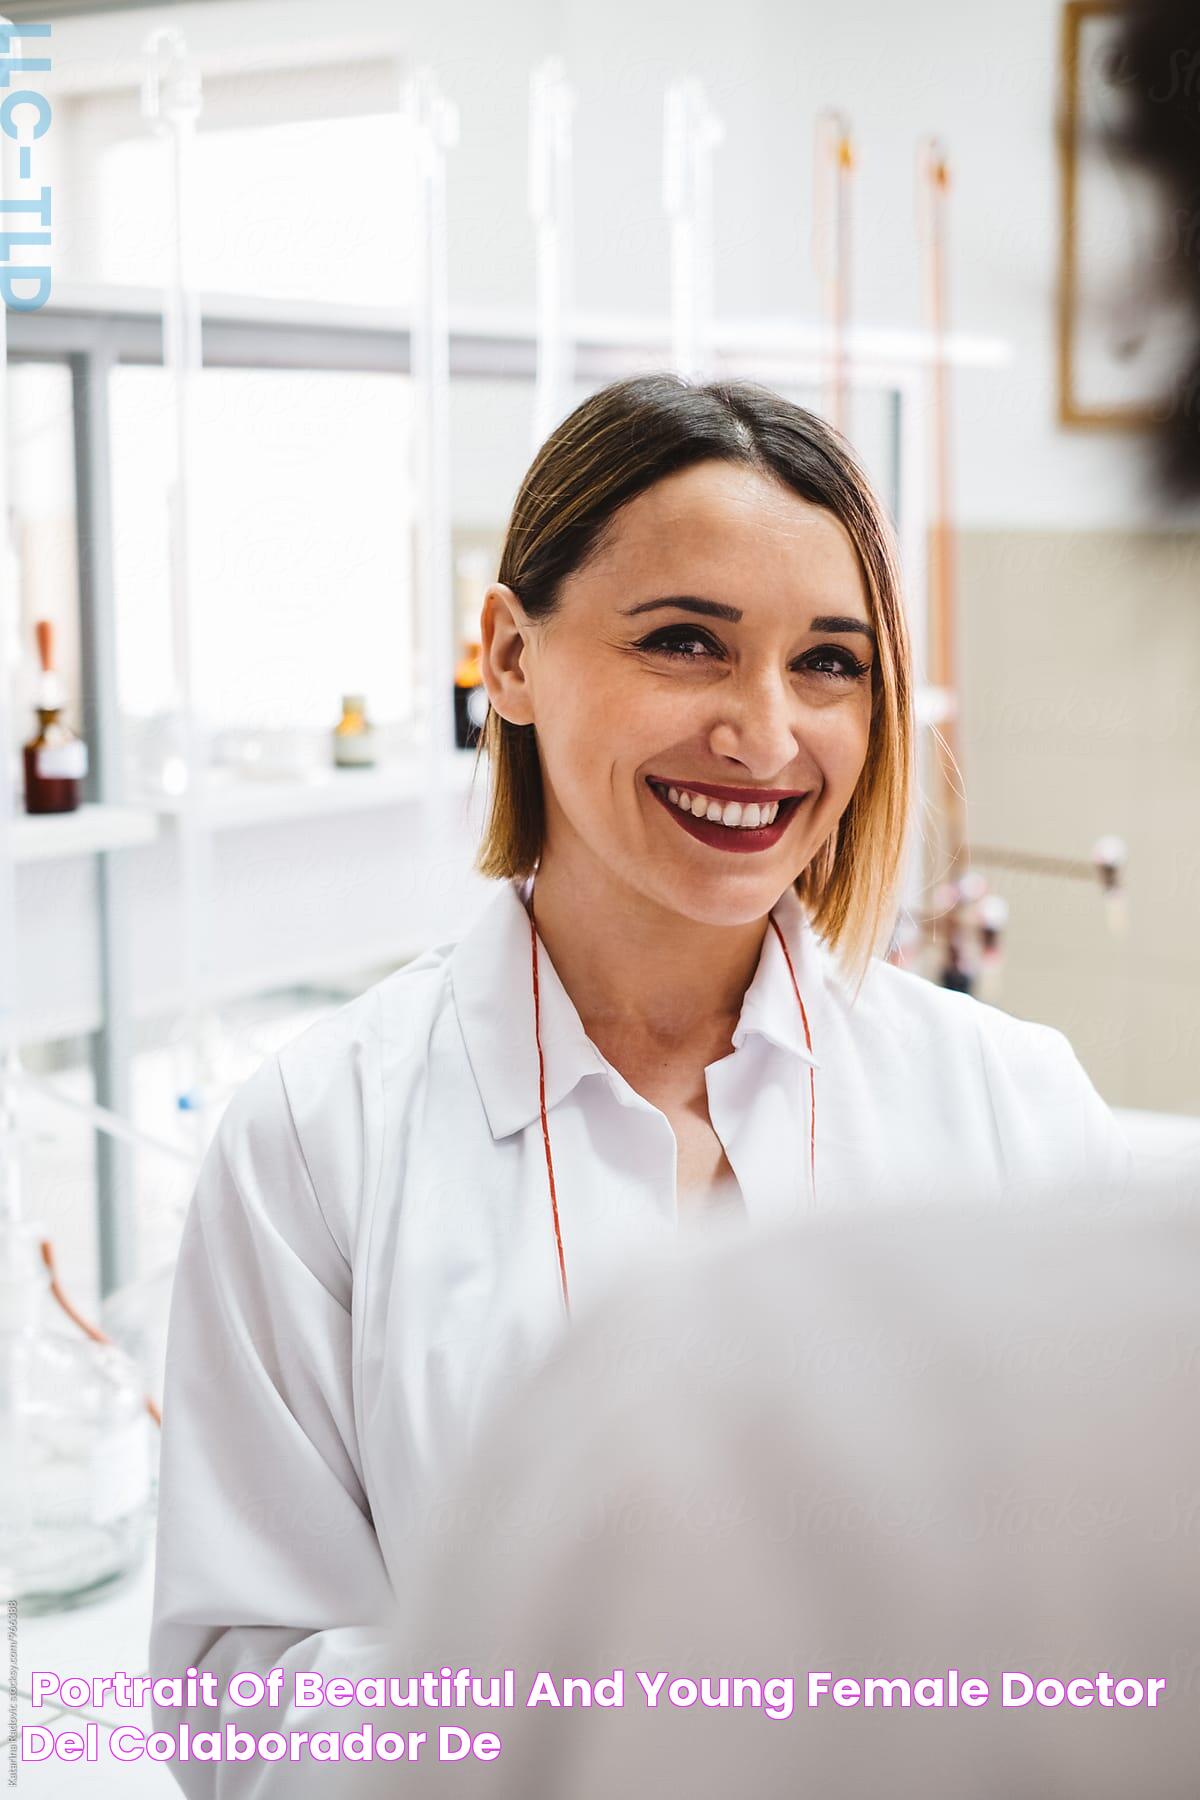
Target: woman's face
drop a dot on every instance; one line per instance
(714, 658)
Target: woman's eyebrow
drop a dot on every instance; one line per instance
(834, 622)
(717, 609)
(710, 609)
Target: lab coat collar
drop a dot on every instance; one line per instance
(493, 997)
(769, 1005)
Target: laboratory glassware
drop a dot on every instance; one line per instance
(56, 759)
(74, 1445)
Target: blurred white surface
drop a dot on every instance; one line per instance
(1166, 1149)
(108, 1635)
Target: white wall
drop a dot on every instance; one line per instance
(984, 77)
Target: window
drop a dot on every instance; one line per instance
(301, 526)
(300, 188)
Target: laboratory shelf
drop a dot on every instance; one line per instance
(45, 837)
(233, 800)
(486, 338)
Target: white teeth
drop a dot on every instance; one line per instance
(733, 814)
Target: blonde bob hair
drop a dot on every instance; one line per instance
(614, 446)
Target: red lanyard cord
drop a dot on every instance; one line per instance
(537, 1036)
(812, 1086)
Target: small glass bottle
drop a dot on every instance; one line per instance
(354, 735)
(470, 699)
(74, 1447)
(56, 759)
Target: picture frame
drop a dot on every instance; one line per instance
(1118, 322)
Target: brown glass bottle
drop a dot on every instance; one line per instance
(56, 759)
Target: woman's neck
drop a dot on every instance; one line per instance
(633, 968)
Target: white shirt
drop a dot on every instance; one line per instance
(369, 1255)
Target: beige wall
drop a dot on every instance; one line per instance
(1081, 657)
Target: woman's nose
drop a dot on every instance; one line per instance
(757, 726)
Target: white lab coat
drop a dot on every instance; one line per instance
(369, 1256)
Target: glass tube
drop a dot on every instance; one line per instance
(551, 106)
(692, 131)
(432, 130)
(171, 102)
(74, 1446)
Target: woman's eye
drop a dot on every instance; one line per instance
(835, 663)
(681, 641)
(832, 662)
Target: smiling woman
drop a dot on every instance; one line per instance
(700, 741)
(741, 511)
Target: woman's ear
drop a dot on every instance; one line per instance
(504, 639)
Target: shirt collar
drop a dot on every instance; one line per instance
(491, 979)
(769, 1005)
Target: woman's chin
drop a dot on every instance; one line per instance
(730, 898)
(708, 889)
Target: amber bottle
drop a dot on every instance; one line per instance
(56, 759)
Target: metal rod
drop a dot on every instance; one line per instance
(1074, 868)
(111, 1044)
